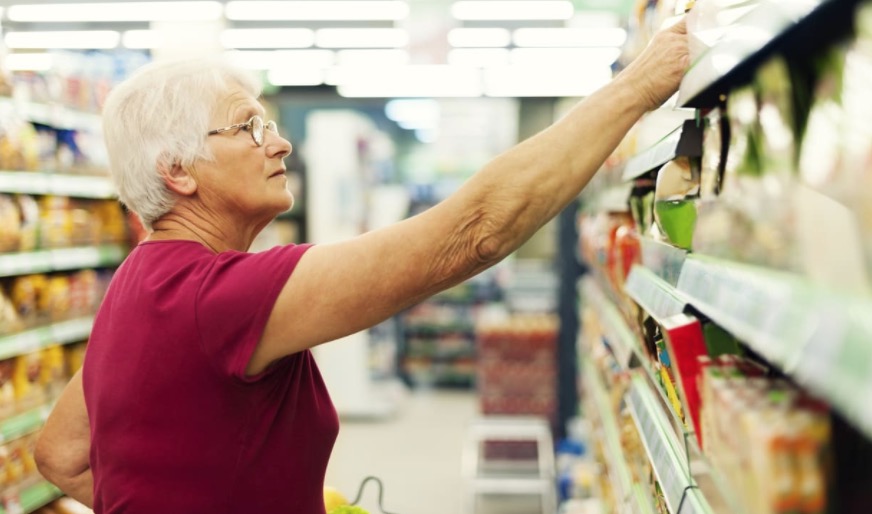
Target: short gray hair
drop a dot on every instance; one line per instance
(158, 117)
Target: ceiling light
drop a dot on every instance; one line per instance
(512, 10)
(484, 37)
(28, 62)
(277, 59)
(565, 56)
(83, 39)
(141, 39)
(328, 10)
(361, 38)
(413, 112)
(555, 37)
(427, 136)
(427, 81)
(372, 57)
(296, 76)
(480, 57)
(117, 11)
(267, 38)
(530, 81)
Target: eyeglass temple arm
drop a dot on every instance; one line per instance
(225, 129)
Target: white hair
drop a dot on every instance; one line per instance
(158, 117)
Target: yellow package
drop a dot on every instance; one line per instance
(75, 357)
(57, 301)
(25, 379)
(53, 373)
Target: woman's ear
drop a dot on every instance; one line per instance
(178, 179)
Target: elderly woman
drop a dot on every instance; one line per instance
(199, 393)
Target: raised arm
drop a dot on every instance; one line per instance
(63, 448)
(339, 289)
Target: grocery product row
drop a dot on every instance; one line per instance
(29, 223)
(725, 316)
(29, 385)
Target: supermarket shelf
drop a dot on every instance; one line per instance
(618, 472)
(663, 259)
(664, 451)
(53, 115)
(685, 141)
(654, 294)
(441, 356)
(42, 261)
(31, 498)
(437, 328)
(794, 29)
(24, 423)
(621, 339)
(47, 183)
(38, 338)
(822, 339)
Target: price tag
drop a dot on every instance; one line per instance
(75, 258)
(23, 342)
(72, 330)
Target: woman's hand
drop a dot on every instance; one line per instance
(656, 74)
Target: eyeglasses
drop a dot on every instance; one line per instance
(254, 125)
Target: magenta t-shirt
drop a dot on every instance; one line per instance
(176, 425)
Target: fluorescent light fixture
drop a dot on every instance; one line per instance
(29, 62)
(415, 81)
(361, 38)
(427, 136)
(557, 37)
(595, 19)
(512, 10)
(296, 76)
(479, 38)
(413, 113)
(67, 39)
(326, 10)
(389, 57)
(117, 11)
(141, 39)
(278, 59)
(479, 57)
(558, 57)
(267, 38)
(530, 81)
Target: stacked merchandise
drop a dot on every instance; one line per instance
(517, 374)
(726, 316)
(61, 235)
(439, 335)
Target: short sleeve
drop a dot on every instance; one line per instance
(235, 300)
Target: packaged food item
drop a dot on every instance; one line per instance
(57, 222)
(15, 462)
(74, 355)
(27, 293)
(675, 192)
(53, 373)
(26, 375)
(7, 391)
(56, 301)
(29, 211)
(10, 320)
(10, 224)
(84, 292)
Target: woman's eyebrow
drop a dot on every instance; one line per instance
(244, 114)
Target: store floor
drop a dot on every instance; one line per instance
(417, 454)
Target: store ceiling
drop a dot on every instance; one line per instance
(412, 41)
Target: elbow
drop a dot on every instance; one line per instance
(44, 462)
(52, 463)
(488, 249)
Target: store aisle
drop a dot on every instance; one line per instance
(417, 456)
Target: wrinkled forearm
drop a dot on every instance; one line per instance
(523, 188)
